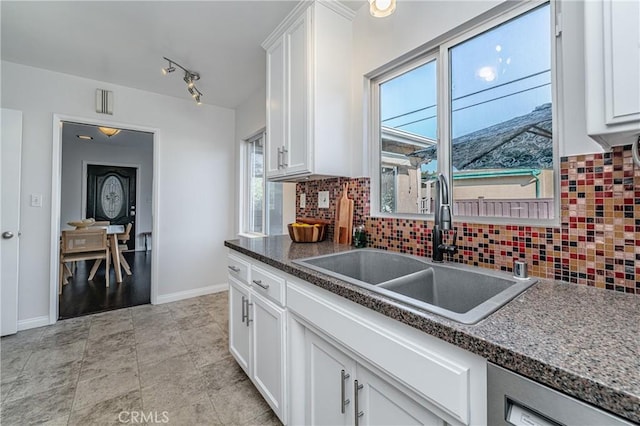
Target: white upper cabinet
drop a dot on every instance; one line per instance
(309, 93)
(612, 54)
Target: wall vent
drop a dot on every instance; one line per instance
(104, 101)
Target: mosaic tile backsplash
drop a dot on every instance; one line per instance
(597, 243)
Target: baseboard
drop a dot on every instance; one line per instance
(180, 295)
(33, 323)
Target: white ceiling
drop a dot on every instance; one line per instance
(123, 42)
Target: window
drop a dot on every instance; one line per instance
(493, 128)
(408, 126)
(262, 199)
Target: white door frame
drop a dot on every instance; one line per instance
(56, 184)
(83, 197)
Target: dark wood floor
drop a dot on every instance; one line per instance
(83, 297)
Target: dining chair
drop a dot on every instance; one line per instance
(123, 238)
(84, 244)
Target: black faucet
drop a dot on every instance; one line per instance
(442, 222)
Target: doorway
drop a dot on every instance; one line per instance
(108, 179)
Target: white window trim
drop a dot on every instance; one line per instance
(243, 199)
(486, 21)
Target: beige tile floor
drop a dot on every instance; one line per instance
(168, 361)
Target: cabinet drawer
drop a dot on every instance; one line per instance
(268, 284)
(238, 268)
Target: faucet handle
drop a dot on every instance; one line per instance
(455, 238)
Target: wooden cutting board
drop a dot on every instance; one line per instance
(344, 218)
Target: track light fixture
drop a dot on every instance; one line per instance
(168, 69)
(190, 77)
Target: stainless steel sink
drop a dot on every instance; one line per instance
(461, 293)
(364, 266)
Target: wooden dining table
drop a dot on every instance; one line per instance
(112, 235)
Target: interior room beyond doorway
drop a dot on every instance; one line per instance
(106, 177)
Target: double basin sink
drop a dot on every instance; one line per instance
(460, 293)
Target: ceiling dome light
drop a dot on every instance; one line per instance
(381, 8)
(109, 131)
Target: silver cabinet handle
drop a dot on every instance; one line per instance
(248, 312)
(343, 401)
(356, 388)
(7, 235)
(234, 268)
(244, 314)
(284, 151)
(259, 284)
(279, 158)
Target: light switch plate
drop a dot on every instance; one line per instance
(323, 199)
(303, 200)
(36, 200)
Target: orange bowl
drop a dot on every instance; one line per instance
(306, 233)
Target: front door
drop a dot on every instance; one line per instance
(111, 196)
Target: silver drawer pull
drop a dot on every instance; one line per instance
(356, 405)
(259, 284)
(248, 312)
(234, 268)
(244, 312)
(344, 401)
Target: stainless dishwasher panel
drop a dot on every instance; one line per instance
(525, 402)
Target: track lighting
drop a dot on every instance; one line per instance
(190, 77)
(168, 69)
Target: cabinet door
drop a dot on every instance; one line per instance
(622, 60)
(268, 321)
(276, 108)
(299, 81)
(380, 403)
(330, 375)
(239, 331)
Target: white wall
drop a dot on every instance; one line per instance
(194, 177)
(251, 116)
(76, 152)
(415, 23)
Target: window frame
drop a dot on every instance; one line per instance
(438, 49)
(245, 187)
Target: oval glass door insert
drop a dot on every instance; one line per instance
(111, 196)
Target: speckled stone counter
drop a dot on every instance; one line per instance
(580, 340)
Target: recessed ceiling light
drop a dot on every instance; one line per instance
(85, 137)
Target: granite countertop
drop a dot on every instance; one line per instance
(580, 340)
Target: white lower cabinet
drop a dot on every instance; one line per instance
(329, 373)
(239, 333)
(342, 391)
(257, 332)
(268, 321)
(352, 366)
(320, 359)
